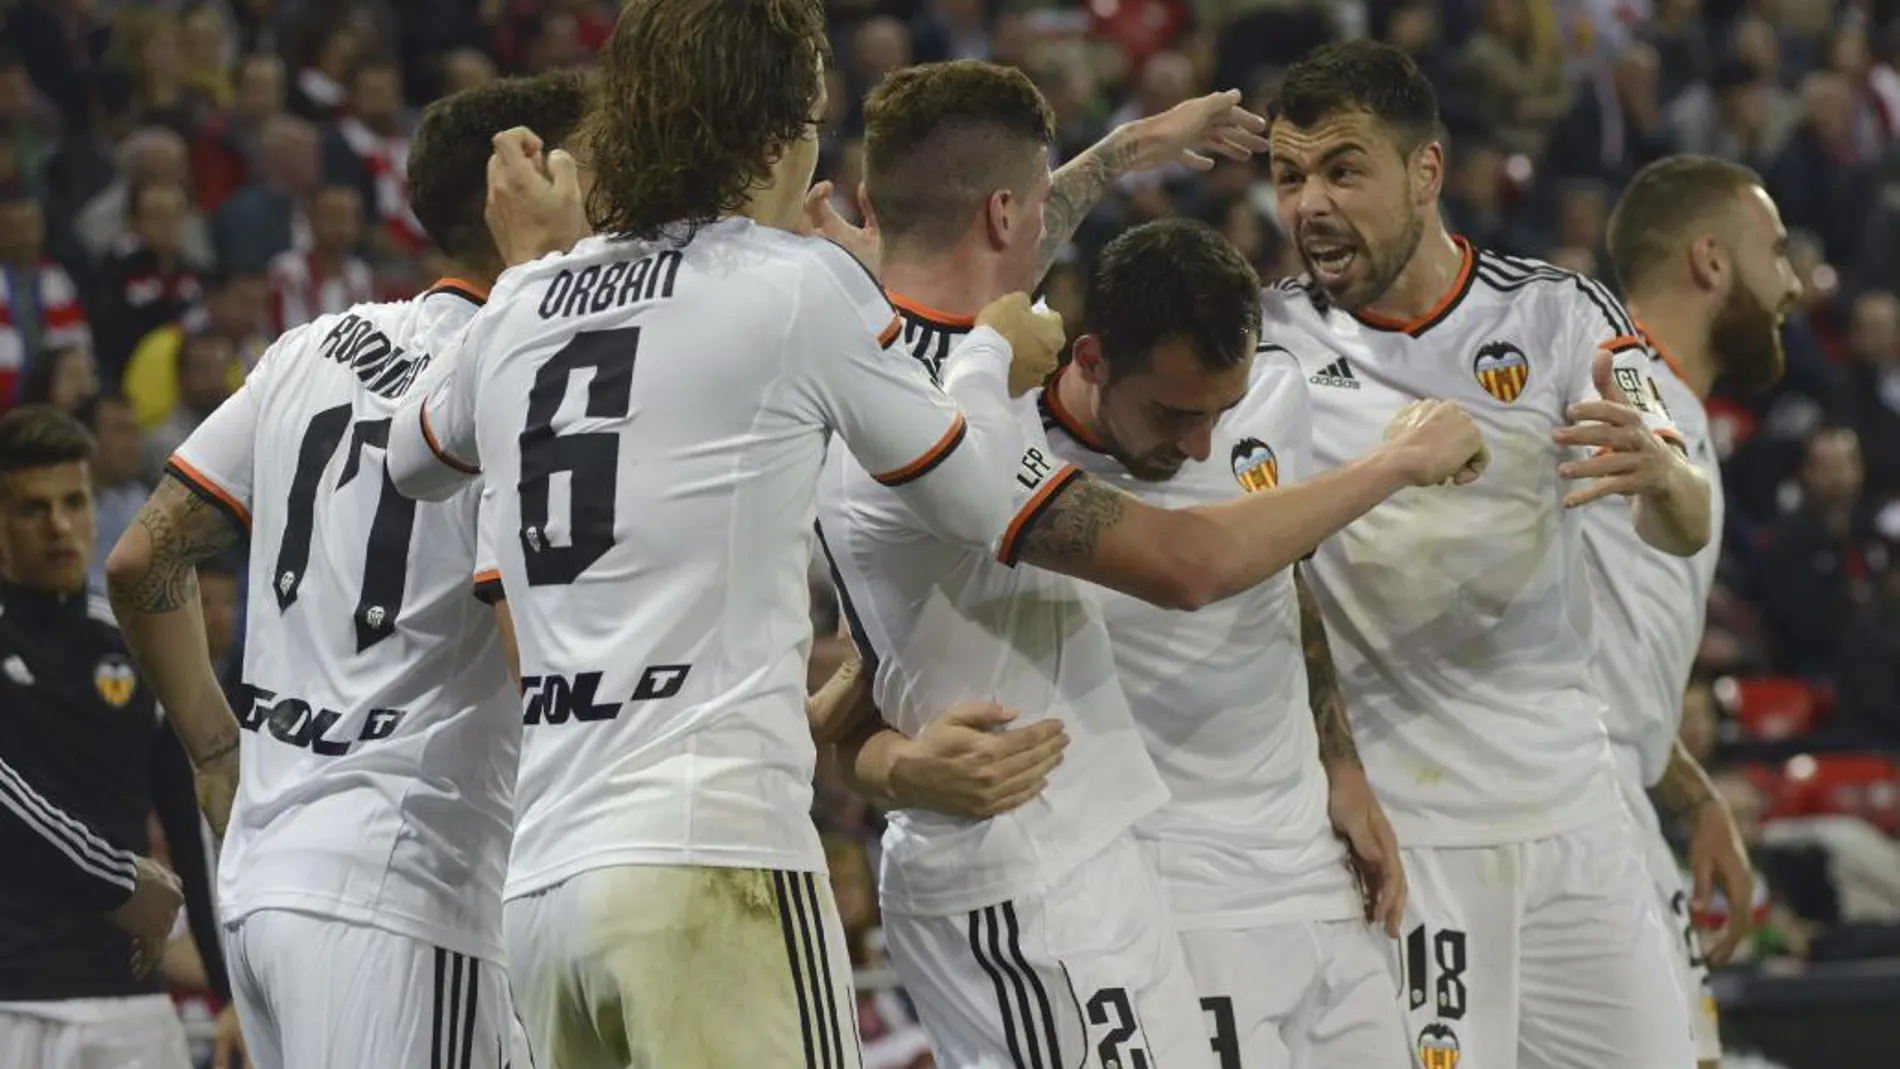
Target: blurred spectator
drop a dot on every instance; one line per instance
(1819, 557)
(228, 151)
(146, 53)
(151, 156)
(879, 46)
(64, 378)
(1867, 669)
(1512, 68)
(1583, 215)
(950, 29)
(1739, 114)
(1615, 125)
(464, 69)
(26, 134)
(1822, 181)
(40, 310)
(1874, 89)
(320, 91)
(203, 384)
(117, 491)
(206, 45)
(269, 216)
(329, 277)
(1474, 200)
(1681, 40)
(1870, 401)
(236, 307)
(369, 151)
(146, 282)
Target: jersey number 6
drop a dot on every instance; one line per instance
(590, 458)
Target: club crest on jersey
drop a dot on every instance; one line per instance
(1438, 1047)
(1255, 465)
(1502, 370)
(115, 680)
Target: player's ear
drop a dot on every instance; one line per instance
(1086, 355)
(996, 218)
(1428, 173)
(865, 211)
(1708, 263)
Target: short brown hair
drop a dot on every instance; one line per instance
(41, 436)
(695, 96)
(1367, 76)
(936, 140)
(1661, 204)
(448, 157)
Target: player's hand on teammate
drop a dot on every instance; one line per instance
(1629, 459)
(1717, 858)
(227, 1041)
(969, 763)
(821, 219)
(1193, 132)
(534, 201)
(149, 914)
(1035, 339)
(1372, 848)
(1438, 443)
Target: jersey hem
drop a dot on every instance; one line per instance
(647, 856)
(382, 919)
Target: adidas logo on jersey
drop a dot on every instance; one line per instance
(1338, 373)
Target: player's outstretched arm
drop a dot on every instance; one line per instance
(1187, 558)
(1638, 453)
(152, 578)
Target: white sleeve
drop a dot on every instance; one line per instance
(432, 450)
(218, 461)
(976, 375)
(487, 564)
(898, 424)
(1600, 324)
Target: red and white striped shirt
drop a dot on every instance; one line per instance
(387, 161)
(39, 312)
(301, 290)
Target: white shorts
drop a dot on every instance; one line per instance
(1087, 974)
(319, 993)
(1309, 995)
(1549, 954)
(141, 1032)
(677, 967)
(1665, 876)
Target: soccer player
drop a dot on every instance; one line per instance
(1461, 621)
(362, 869)
(1044, 928)
(650, 411)
(1701, 254)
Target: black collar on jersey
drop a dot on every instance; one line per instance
(36, 604)
(1446, 304)
(458, 287)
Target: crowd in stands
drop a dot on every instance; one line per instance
(180, 182)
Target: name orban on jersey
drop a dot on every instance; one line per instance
(595, 288)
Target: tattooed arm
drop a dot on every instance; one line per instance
(1322, 682)
(1075, 189)
(152, 576)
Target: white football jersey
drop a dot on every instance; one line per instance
(1220, 694)
(651, 419)
(378, 764)
(940, 623)
(1650, 605)
(1459, 615)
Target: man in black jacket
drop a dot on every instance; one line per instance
(78, 725)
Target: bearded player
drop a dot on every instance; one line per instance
(1460, 627)
(1701, 254)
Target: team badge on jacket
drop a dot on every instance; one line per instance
(1255, 465)
(1502, 370)
(1438, 1047)
(115, 680)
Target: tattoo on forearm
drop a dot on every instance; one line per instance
(1322, 681)
(1073, 193)
(1683, 787)
(181, 530)
(223, 745)
(1074, 524)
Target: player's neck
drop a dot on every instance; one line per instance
(953, 284)
(1678, 331)
(1432, 273)
(1078, 400)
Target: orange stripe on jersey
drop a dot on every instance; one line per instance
(461, 287)
(441, 454)
(1052, 398)
(1667, 359)
(924, 311)
(488, 575)
(1440, 309)
(218, 495)
(891, 332)
(932, 457)
(1622, 342)
(1032, 511)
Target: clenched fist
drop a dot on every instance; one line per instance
(1035, 339)
(1437, 442)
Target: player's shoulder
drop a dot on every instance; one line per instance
(1537, 291)
(839, 268)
